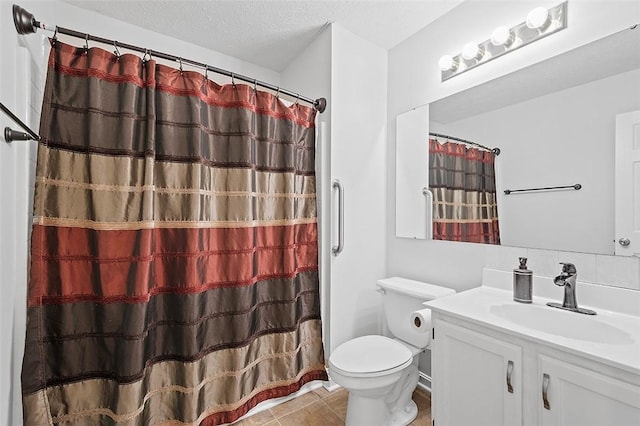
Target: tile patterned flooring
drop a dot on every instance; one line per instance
(323, 408)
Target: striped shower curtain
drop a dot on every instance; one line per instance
(174, 274)
(463, 183)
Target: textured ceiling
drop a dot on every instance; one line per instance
(271, 33)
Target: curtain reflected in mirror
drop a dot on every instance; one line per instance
(463, 183)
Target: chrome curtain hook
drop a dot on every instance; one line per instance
(206, 72)
(180, 61)
(255, 85)
(233, 80)
(86, 41)
(297, 98)
(278, 93)
(144, 57)
(116, 51)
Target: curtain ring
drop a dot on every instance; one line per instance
(116, 51)
(144, 57)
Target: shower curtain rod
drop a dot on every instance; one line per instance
(25, 23)
(496, 151)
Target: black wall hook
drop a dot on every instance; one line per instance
(12, 135)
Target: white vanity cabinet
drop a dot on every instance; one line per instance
(471, 374)
(476, 378)
(579, 396)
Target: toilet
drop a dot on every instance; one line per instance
(381, 372)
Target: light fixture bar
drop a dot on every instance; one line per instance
(517, 37)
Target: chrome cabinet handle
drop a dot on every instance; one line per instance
(336, 250)
(427, 193)
(509, 373)
(545, 391)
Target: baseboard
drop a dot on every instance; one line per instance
(424, 382)
(330, 385)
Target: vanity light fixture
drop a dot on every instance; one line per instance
(447, 62)
(502, 36)
(540, 22)
(472, 51)
(538, 19)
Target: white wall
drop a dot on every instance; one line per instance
(12, 257)
(310, 73)
(414, 79)
(352, 74)
(572, 134)
(21, 86)
(19, 90)
(358, 159)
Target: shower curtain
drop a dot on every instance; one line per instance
(174, 274)
(463, 184)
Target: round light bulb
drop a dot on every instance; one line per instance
(502, 36)
(446, 63)
(471, 51)
(538, 18)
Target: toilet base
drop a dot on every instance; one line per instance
(369, 412)
(405, 416)
(389, 405)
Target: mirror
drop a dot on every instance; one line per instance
(555, 124)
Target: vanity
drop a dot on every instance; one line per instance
(500, 362)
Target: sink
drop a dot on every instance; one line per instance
(561, 323)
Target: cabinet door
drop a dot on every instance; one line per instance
(477, 379)
(413, 207)
(579, 396)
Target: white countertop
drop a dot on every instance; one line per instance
(476, 306)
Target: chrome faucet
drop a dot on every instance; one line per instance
(567, 279)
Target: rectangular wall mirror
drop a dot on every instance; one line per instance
(555, 124)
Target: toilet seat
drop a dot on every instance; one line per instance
(370, 356)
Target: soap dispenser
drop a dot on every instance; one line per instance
(522, 282)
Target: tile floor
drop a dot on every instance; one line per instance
(323, 408)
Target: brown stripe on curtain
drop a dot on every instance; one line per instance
(174, 254)
(463, 184)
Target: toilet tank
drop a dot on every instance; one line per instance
(401, 297)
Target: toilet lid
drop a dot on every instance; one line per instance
(370, 354)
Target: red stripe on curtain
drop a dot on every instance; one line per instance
(128, 68)
(78, 264)
(460, 150)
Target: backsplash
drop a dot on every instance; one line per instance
(618, 271)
